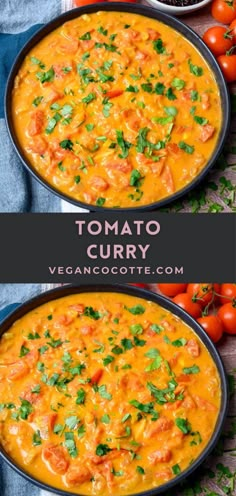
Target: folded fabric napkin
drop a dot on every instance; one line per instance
(11, 484)
(18, 22)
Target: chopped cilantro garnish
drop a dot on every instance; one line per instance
(80, 397)
(46, 77)
(136, 310)
(183, 425)
(158, 46)
(37, 101)
(66, 144)
(102, 449)
(23, 351)
(37, 438)
(191, 370)
(194, 69)
(187, 148)
(93, 314)
(105, 419)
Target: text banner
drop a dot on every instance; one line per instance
(113, 247)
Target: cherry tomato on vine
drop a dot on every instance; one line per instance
(170, 289)
(218, 39)
(224, 11)
(202, 293)
(232, 30)
(82, 3)
(213, 326)
(227, 315)
(227, 292)
(184, 301)
(228, 66)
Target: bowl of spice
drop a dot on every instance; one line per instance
(178, 7)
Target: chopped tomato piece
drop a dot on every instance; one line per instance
(168, 179)
(122, 166)
(32, 358)
(141, 55)
(114, 93)
(96, 377)
(79, 308)
(70, 47)
(184, 378)
(38, 145)
(160, 456)
(207, 132)
(153, 34)
(188, 403)
(205, 99)
(87, 330)
(18, 370)
(164, 474)
(36, 123)
(204, 404)
(77, 474)
(193, 348)
(161, 425)
(56, 458)
(63, 320)
(44, 423)
(98, 183)
(53, 95)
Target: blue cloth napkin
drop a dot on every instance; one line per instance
(19, 20)
(12, 484)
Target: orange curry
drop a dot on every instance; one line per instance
(105, 393)
(116, 114)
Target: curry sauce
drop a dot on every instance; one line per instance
(105, 393)
(116, 114)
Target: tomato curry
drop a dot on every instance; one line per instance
(115, 114)
(105, 393)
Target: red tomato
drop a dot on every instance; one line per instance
(202, 292)
(82, 3)
(184, 301)
(224, 11)
(213, 326)
(138, 284)
(228, 66)
(170, 289)
(227, 314)
(218, 39)
(227, 292)
(232, 30)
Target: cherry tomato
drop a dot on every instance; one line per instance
(227, 314)
(232, 30)
(82, 3)
(218, 39)
(224, 11)
(138, 284)
(213, 327)
(202, 292)
(228, 66)
(184, 301)
(170, 289)
(227, 292)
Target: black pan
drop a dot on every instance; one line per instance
(168, 305)
(148, 12)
